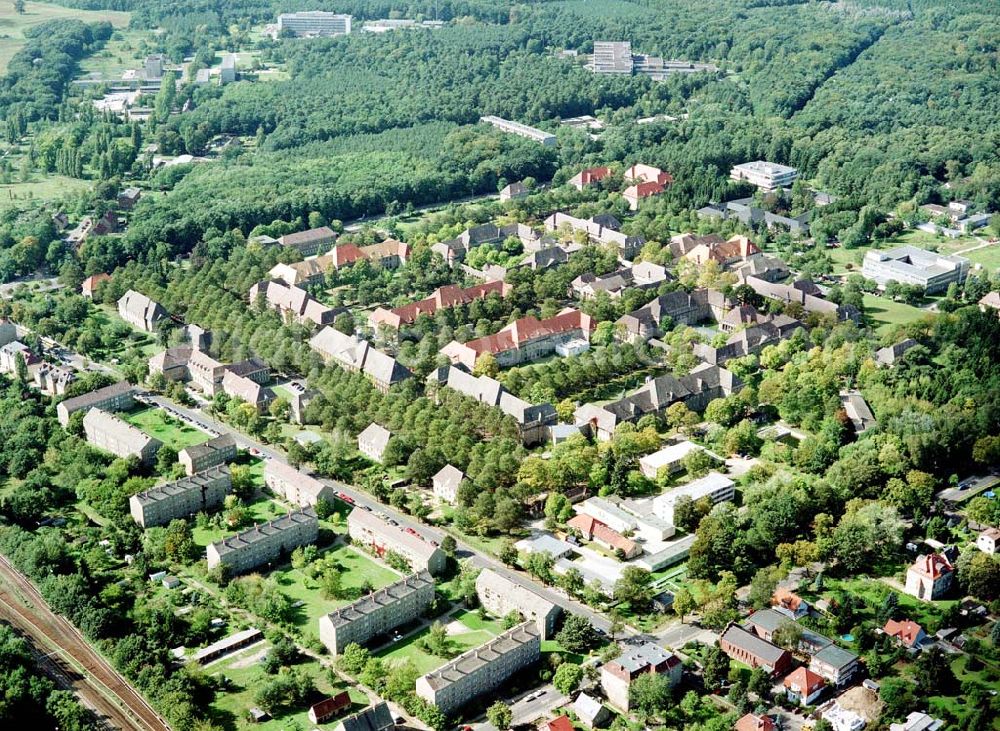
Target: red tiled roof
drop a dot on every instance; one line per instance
(784, 598)
(91, 282)
(530, 328)
(592, 175)
(560, 724)
(804, 681)
(750, 722)
(345, 254)
(933, 566)
(590, 526)
(329, 706)
(443, 298)
(644, 190)
(906, 631)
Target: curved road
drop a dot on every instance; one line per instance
(99, 685)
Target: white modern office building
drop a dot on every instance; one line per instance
(765, 175)
(717, 488)
(910, 265)
(314, 23)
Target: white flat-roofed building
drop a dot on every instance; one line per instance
(294, 485)
(717, 488)
(620, 520)
(214, 452)
(505, 125)
(612, 57)
(116, 397)
(381, 536)
(378, 613)
(314, 23)
(106, 431)
(500, 596)
(919, 267)
(200, 492)
(481, 670)
(265, 542)
(669, 459)
(765, 175)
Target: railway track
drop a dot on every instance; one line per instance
(71, 659)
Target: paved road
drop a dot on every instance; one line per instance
(98, 683)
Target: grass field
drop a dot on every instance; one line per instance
(172, 432)
(885, 313)
(39, 188)
(260, 511)
(245, 676)
(124, 51)
(988, 257)
(12, 25)
(355, 568)
(425, 662)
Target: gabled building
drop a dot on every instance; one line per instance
(597, 232)
(378, 613)
(908, 633)
(266, 542)
(591, 712)
(311, 242)
(988, 541)
(514, 191)
(217, 451)
(372, 442)
(455, 250)
(930, 577)
(789, 294)
(91, 283)
(248, 390)
(736, 250)
(481, 670)
(789, 603)
(803, 686)
(443, 298)
(116, 397)
(746, 647)
(294, 485)
(754, 722)
(594, 530)
(617, 676)
(198, 493)
(329, 708)
(446, 482)
(106, 431)
(52, 379)
(303, 273)
(890, 355)
(388, 254)
(589, 176)
(500, 595)
(533, 421)
(641, 191)
(524, 340)
(380, 536)
(140, 311)
(354, 354)
(374, 718)
(285, 298)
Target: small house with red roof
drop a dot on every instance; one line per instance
(594, 530)
(562, 723)
(330, 708)
(930, 577)
(804, 686)
(589, 176)
(753, 722)
(789, 603)
(910, 634)
(89, 285)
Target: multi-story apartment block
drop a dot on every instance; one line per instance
(140, 311)
(296, 302)
(443, 298)
(294, 485)
(500, 595)
(617, 675)
(52, 379)
(106, 431)
(764, 175)
(835, 664)
(598, 232)
(247, 389)
(314, 23)
(919, 267)
(714, 486)
(379, 535)
(200, 457)
(533, 421)
(304, 273)
(354, 354)
(532, 133)
(481, 670)
(523, 341)
(378, 613)
(199, 493)
(265, 542)
(116, 397)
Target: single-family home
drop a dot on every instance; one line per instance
(988, 541)
(591, 712)
(804, 686)
(514, 191)
(930, 577)
(588, 177)
(754, 722)
(789, 603)
(918, 721)
(90, 284)
(635, 661)
(909, 634)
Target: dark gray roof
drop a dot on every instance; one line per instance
(736, 635)
(835, 656)
(95, 397)
(373, 718)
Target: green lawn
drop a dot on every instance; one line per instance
(356, 569)
(261, 511)
(886, 313)
(124, 51)
(473, 621)
(988, 257)
(872, 592)
(424, 661)
(172, 432)
(13, 25)
(40, 187)
(245, 677)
